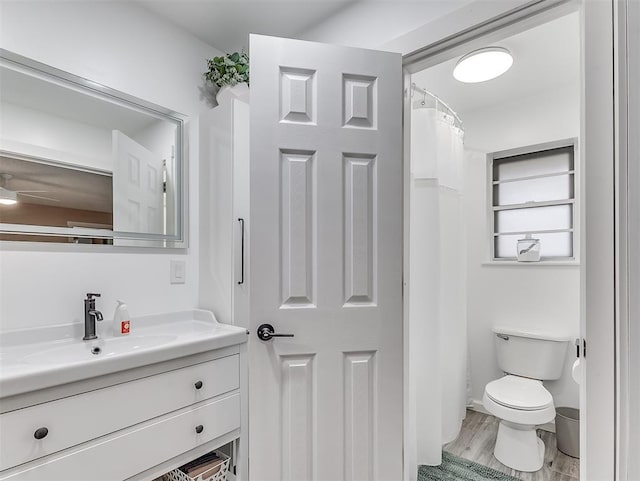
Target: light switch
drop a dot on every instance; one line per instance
(178, 272)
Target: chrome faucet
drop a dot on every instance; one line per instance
(91, 315)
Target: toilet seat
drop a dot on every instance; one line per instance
(519, 393)
(519, 400)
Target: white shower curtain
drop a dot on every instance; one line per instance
(437, 286)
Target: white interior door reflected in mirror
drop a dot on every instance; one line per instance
(138, 188)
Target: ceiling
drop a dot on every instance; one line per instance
(544, 57)
(61, 187)
(226, 24)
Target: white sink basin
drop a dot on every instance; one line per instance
(40, 358)
(94, 350)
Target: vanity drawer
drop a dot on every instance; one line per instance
(119, 457)
(80, 418)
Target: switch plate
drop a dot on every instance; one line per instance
(177, 272)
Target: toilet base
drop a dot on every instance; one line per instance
(519, 447)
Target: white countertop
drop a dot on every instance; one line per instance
(33, 359)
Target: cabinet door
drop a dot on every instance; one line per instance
(224, 218)
(110, 409)
(120, 456)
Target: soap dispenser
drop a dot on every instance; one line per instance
(121, 321)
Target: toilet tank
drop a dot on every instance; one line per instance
(530, 353)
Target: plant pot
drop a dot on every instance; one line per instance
(238, 91)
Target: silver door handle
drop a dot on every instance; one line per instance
(266, 332)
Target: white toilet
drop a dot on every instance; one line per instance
(519, 399)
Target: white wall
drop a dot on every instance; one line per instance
(405, 26)
(516, 296)
(158, 137)
(548, 115)
(114, 43)
(372, 24)
(123, 47)
(40, 134)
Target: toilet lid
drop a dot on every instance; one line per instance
(519, 393)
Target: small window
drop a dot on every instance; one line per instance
(533, 194)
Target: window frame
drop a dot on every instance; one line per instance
(575, 203)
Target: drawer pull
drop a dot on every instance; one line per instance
(41, 433)
(198, 385)
(199, 428)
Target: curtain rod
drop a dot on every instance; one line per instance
(415, 88)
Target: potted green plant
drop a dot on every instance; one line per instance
(230, 71)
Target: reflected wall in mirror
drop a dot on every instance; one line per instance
(82, 163)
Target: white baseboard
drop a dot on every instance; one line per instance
(479, 407)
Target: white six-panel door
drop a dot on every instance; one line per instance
(326, 262)
(137, 187)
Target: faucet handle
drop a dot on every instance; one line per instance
(91, 295)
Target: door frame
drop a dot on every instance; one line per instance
(627, 18)
(599, 319)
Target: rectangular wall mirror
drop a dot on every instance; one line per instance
(82, 163)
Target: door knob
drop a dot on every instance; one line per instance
(266, 332)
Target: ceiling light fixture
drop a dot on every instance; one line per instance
(8, 197)
(483, 64)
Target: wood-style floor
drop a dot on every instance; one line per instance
(477, 439)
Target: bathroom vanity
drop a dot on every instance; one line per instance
(140, 407)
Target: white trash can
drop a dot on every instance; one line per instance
(568, 431)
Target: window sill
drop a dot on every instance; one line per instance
(574, 263)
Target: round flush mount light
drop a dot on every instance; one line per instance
(8, 197)
(482, 65)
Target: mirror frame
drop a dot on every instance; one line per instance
(89, 87)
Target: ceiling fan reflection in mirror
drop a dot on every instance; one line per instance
(10, 197)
